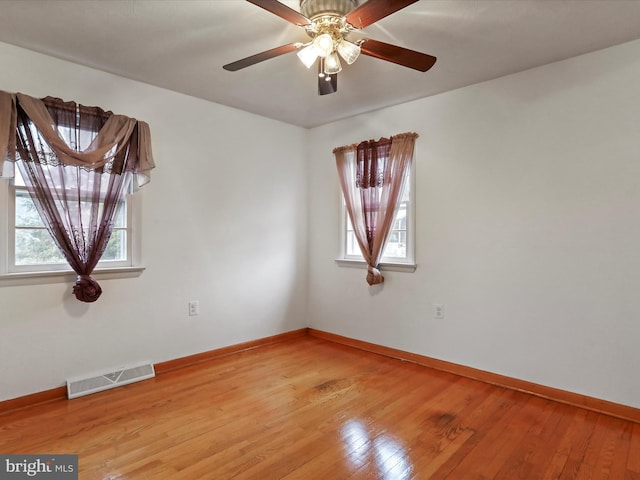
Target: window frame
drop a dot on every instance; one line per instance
(114, 269)
(386, 263)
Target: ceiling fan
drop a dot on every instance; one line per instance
(328, 23)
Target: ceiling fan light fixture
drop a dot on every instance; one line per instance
(348, 51)
(332, 64)
(323, 45)
(307, 55)
(327, 23)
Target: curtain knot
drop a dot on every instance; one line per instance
(87, 289)
(374, 277)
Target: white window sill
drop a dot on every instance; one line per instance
(63, 276)
(384, 267)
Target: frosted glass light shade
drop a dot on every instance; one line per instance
(349, 51)
(332, 64)
(307, 55)
(323, 44)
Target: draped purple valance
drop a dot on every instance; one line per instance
(117, 130)
(78, 163)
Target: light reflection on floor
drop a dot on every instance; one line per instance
(389, 456)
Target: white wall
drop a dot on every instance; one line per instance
(224, 223)
(528, 204)
(528, 230)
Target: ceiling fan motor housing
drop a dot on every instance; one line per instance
(317, 8)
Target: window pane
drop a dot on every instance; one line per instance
(397, 250)
(352, 244)
(397, 244)
(26, 213)
(120, 220)
(35, 246)
(17, 179)
(406, 191)
(400, 222)
(116, 248)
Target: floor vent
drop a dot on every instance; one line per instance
(77, 387)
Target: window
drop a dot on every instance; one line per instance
(77, 163)
(400, 246)
(30, 248)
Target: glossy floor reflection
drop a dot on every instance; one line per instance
(363, 447)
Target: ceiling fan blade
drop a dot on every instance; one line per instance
(281, 10)
(399, 55)
(261, 57)
(374, 10)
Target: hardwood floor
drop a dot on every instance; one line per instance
(311, 409)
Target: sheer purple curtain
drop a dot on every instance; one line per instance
(78, 164)
(372, 176)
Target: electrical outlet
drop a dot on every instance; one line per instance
(438, 311)
(194, 308)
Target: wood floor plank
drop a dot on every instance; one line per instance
(577, 443)
(621, 451)
(503, 436)
(494, 406)
(560, 449)
(521, 464)
(633, 460)
(310, 409)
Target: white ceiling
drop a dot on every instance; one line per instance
(182, 44)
